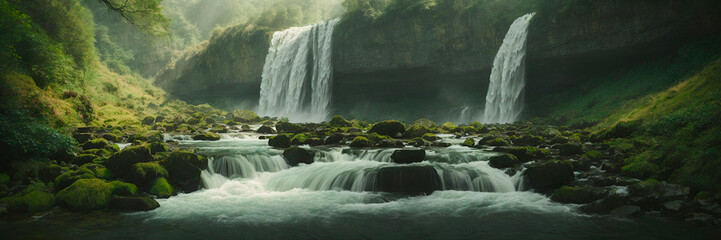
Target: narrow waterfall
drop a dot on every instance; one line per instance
(297, 75)
(504, 100)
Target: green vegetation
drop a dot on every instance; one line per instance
(161, 188)
(86, 194)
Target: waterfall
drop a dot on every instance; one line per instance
(296, 80)
(504, 100)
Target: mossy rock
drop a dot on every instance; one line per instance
(424, 122)
(83, 159)
(48, 173)
(468, 129)
(390, 128)
(469, 142)
(334, 139)
(338, 121)
(416, 131)
(622, 129)
(361, 142)
(157, 147)
(280, 141)
(558, 140)
(593, 155)
(148, 121)
(220, 129)
(503, 161)
(133, 203)
(33, 201)
(113, 148)
(286, 127)
(184, 169)
(418, 142)
(377, 138)
(494, 142)
(568, 149)
(430, 137)
(111, 137)
(119, 164)
(527, 153)
(245, 128)
(66, 179)
(528, 140)
(207, 136)
(97, 143)
(161, 188)
(86, 194)
(142, 173)
(265, 130)
(245, 116)
(99, 170)
(4, 179)
(449, 126)
(299, 139)
(578, 195)
(124, 189)
(83, 137)
(549, 175)
(98, 152)
(640, 169)
(295, 155)
(477, 125)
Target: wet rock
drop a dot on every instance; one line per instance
(338, 121)
(219, 129)
(503, 161)
(525, 154)
(549, 175)
(119, 164)
(334, 139)
(390, 128)
(408, 156)
(98, 143)
(651, 192)
(86, 194)
(286, 127)
(626, 211)
(430, 137)
(603, 206)
(245, 128)
(673, 206)
(295, 155)
(265, 130)
(568, 149)
(360, 142)
(133, 203)
(280, 141)
(83, 137)
(578, 195)
(209, 136)
(407, 179)
(83, 159)
(581, 165)
(184, 169)
(469, 142)
(416, 131)
(440, 144)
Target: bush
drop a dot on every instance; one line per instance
(24, 138)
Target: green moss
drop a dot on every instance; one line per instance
(416, 131)
(68, 178)
(593, 155)
(375, 137)
(143, 173)
(86, 194)
(425, 122)
(36, 201)
(496, 142)
(280, 141)
(361, 142)
(338, 121)
(99, 170)
(161, 188)
(4, 178)
(299, 139)
(98, 152)
(124, 189)
(97, 143)
(477, 125)
(469, 142)
(449, 126)
(640, 169)
(207, 136)
(391, 128)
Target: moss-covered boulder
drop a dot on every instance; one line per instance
(48, 173)
(124, 189)
(430, 137)
(148, 121)
(578, 195)
(86, 194)
(206, 136)
(83, 159)
(157, 147)
(390, 128)
(142, 173)
(549, 175)
(265, 130)
(119, 164)
(111, 137)
(220, 129)
(161, 188)
(640, 169)
(503, 161)
(98, 152)
(425, 122)
(416, 131)
(83, 137)
(334, 139)
(338, 121)
(361, 142)
(184, 169)
(528, 140)
(286, 127)
(245, 116)
(133, 203)
(493, 142)
(469, 142)
(525, 154)
(280, 141)
(407, 179)
(593, 155)
(295, 155)
(99, 170)
(66, 179)
(299, 139)
(97, 143)
(408, 156)
(34, 198)
(449, 127)
(568, 149)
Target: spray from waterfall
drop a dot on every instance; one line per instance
(296, 80)
(504, 100)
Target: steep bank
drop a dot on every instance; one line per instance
(432, 59)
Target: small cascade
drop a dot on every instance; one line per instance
(297, 74)
(474, 176)
(504, 100)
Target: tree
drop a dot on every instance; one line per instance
(145, 14)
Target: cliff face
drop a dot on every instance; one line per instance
(435, 61)
(225, 71)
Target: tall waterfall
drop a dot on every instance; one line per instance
(296, 80)
(504, 100)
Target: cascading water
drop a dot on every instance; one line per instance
(296, 80)
(504, 100)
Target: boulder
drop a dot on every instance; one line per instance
(119, 164)
(503, 161)
(280, 141)
(525, 154)
(295, 155)
(469, 142)
(626, 211)
(390, 128)
(581, 165)
(184, 169)
(68, 178)
(124, 189)
(83, 159)
(408, 156)
(430, 137)
(245, 116)
(219, 129)
(97, 143)
(48, 173)
(578, 195)
(360, 142)
(605, 205)
(157, 147)
(245, 128)
(416, 131)
(265, 130)
(86, 194)
(143, 173)
(528, 140)
(161, 188)
(148, 121)
(334, 139)
(338, 121)
(407, 179)
(208, 136)
(34, 198)
(133, 203)
(299, 139)
(286, 127)
(83, 137)
(567, 149)
(549, 175)
(425, 122)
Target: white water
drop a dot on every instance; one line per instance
(296, 80)
(504, 100)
